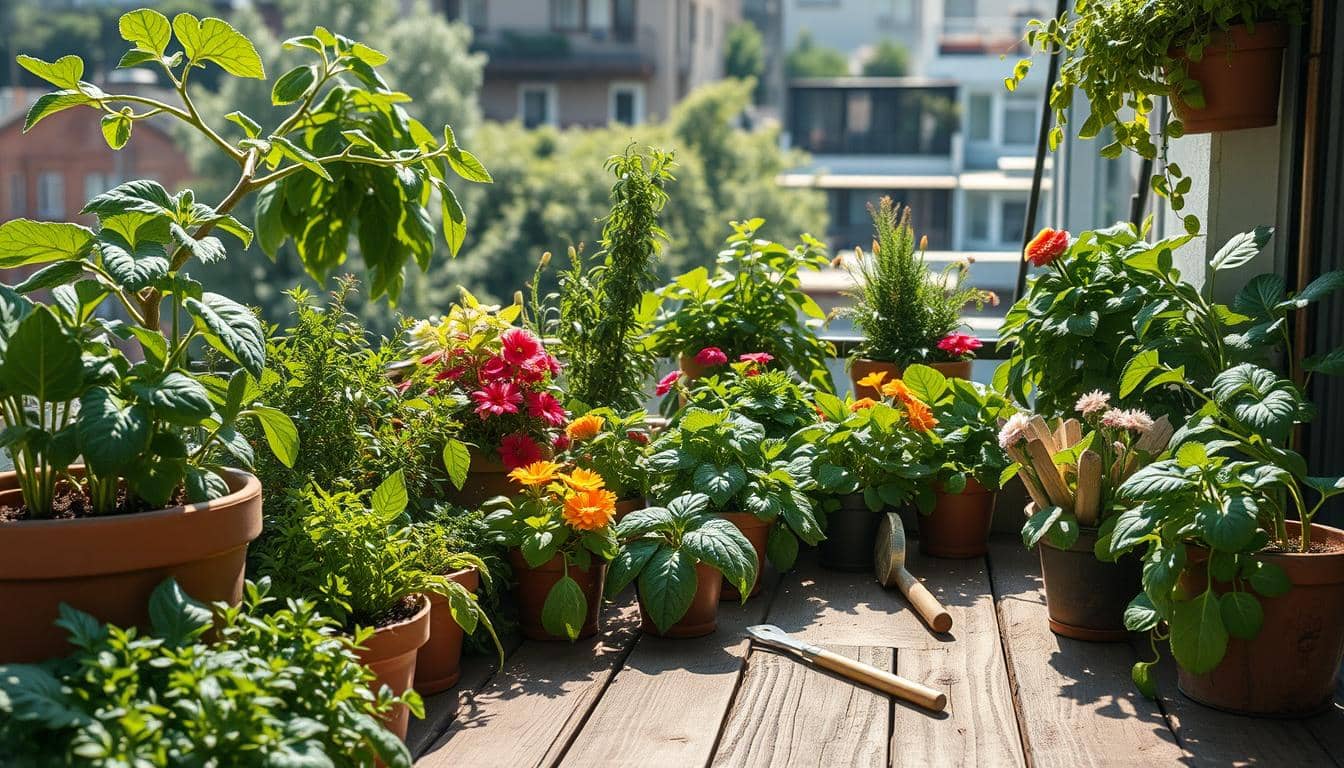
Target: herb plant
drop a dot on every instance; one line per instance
(660, 547)
(964, 436)
(750, 387)
(613, 446)
(273, 685)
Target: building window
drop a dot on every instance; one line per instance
(1020, 120)
(567, 15)
(18, 195)
(980, 117)
(1012, 220)
(959, 9)
(627, 103)
(977, 218)
(50, 195)
(97, 183)
(536, 105)
(469, 12)
(623, 19)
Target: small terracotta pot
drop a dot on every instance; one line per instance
(534, 585)
(108, 566)
(958, 526)
(391, 654)
(487, 478)
(1085, 597)
(1240, 75)
(757, 532)
(702, 618)
(850, 533)
(438, 666)
(626, 506)
(1290, 668)
(862, 366)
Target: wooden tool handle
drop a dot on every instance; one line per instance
(886, 682)
(926, 605)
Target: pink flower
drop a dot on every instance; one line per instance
(520, 346)
(561, 442)
(497, 398)
(665, 384)
(533, 371)
(759, 358)
(431, 358)
(494, 369)
(518, 450)
(449, 373)
(959, 344)
(753, 371)
(544, 406)
(553, 365)
(637, 437)
(402, 386)
(1133, 420)
(711, 356)
(1014, 431)
(1093, 402)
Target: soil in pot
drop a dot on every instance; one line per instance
(391, 654)
(850, 533)
(534, 585)
(1240, 75)
(1085, 597)
(702, 618)
(438, 664)
(862, 366)
(108, 566)
(1289, 669)
(958, 526)
(757, 532)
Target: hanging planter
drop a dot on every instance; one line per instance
(1239, 75)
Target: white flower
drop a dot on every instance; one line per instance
(1014, 430)
(1093, 402)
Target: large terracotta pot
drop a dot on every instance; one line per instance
(487, 478)
(438, 665)
(108, 566)
(693, 370)
(850, 533)
(534, 585)
(1086, 597)
(1240, 74)
(862, 366)
(1290, 668)
(390, 653)
(626, 506)
(757, 532)
(958, 526)
(702, 618)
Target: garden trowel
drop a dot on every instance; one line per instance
(889, 565)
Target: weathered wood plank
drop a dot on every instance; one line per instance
(527, 714)
(1328, 727)
(789, 713)
(667, 703)
(1076, 703)
(441, 708)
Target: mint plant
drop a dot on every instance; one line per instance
(964, 440)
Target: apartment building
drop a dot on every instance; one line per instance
(594, 62)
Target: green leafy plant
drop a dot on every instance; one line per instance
(811, 59)
(727, 457)
(888, 59)
(612, 445)
(751, 303)
(768, 396)
(902, 310)
(660, 547)
(964, 438)
(272, 685)
(1123, 56)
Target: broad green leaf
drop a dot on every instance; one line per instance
(565, 609)
(389, 499)
(133, 268)
(720, 544)
(1260, 296)
(1038, 524)
(796, 509)
(1329, 364)
(721, 483)
(116, 129)
(250, 127)
(292, 85)
(1229, 526)
(36, 695)
(206, 250)
(781, 549)
(1084, 324)
(51, 276)
(1242, 614)
(454, 220)
(1326, 486)
(23, 241)
(299, 155)
(175, 616)
(643, 521)
(203, 485)
(1269, 579)
(177, 398)
(212, 39)
(1198, 637)
(1155, 481)
(457, 461)
(467, 166)
(1133, 525)
(64, 73)
(1141, 615)
(231, 328)
(142, 195)
(147, 28)
(42, 359)
(112, 434)
(1241, 248)
(1318, 289)
(667, 586)
(1142, 675)
(281, 434)
(1139, 368)
(925, 383)
(49, 104)
(369, 55)
(134, 58)
(627, 564)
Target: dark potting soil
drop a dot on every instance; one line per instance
(1317, 547)
(72, 504)
(400, 612)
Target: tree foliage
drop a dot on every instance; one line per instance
(888, 59)
(811, 59)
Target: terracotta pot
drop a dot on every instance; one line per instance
(534, 585)
(693, 370)
(1085, 597)
(862, 366)
(958, 526)
(391, 654)
(108, 566)
(1240, 74)
(702, 618)
(438, 665)
(757, 532)
(850, 533)
(487, 478)
(626, 506)
(1290, 668)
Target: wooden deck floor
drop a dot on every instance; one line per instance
(1018, 695)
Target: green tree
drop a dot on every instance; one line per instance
(810, 59)
(889, 59)
(744, 55)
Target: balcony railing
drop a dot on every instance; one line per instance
(984, 35)
(546, 50)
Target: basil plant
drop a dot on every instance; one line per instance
(103, 368)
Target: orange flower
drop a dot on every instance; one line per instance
(921, 418)
(859, 405)
(584, 480)
(897, 389)
(535, 474)
(585, 427)
(590, 510)
(1048, 245)
(873, 379)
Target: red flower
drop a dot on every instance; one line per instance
(497, 398)
(665, 383)
(518, 450)
(711, 356)
(638, 437)
(431, 358)
(1048, 245)
(450, 373)
(759, 358)
(494, 369)
(553, 365)
(404, 385)
(543, 405)
(533, 371)
(959, 344)
(520, 346)
(561, 442)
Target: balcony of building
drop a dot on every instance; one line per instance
(537, 51)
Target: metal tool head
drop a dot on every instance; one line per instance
(773, 636)
(889, 549)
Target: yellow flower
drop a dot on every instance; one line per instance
(873, 379)
(585, 427)
(536, 474)
(897, 389)
(584, 480)
(590, 510)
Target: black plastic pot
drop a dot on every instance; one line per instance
(850, 533)
(1085, 597)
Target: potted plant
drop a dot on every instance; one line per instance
(220, 681)
(503, 381)
(767, 395)
(560, 540)
(1219, 63)
(751, 302)
(440, 550)
(1072, 479)
(906, 315)
(611, 445)
(750, 481)
(680, 556)
(967, 461)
